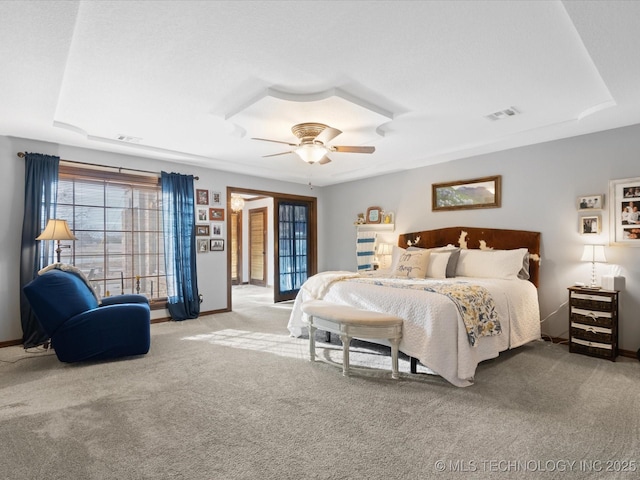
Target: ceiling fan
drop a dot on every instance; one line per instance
(313, 147)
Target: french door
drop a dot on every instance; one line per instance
(293, 235)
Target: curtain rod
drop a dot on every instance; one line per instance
(22, 155)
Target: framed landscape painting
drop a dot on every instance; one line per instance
(467, 194)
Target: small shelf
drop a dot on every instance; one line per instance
(378, 227)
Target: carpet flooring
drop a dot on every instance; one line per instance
(232, 396)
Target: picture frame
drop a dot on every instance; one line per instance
(590, 224)
(216, 198)
(216, 214)
(485, 192)
(203, 245)
(216, 245)
(202, 197)
(202, 215)
(374, 215)
(590, 202)
(202, 231)
(217, 229)
(624, 216)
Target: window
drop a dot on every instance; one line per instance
(117, 219)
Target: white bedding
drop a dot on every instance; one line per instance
(433, 330)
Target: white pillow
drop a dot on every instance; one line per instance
(438, 262)
(412, 264)
(491, 263)
(396, 253)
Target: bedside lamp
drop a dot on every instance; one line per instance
(593, 254)
(384, 250)
(57, 230)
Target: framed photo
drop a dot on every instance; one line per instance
(216, 214)
(202, 231)
(466, 194)
(217, 229)
(624, 218)
(590, 225)
(374, 215)
(202, 214)
(216, 198)
(203, 245)
(202, 197)
(216, 245)
(590, 202)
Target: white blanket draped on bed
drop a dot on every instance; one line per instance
(433, 330)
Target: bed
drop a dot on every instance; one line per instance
(465, 294)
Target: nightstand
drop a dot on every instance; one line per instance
(593, 322)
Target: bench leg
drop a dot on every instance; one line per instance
(346, 341)
(395, 342)
(312, 340)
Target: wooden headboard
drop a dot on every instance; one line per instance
(493, 237)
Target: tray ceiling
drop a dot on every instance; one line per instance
(192, 82)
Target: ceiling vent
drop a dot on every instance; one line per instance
(128, 138)
(502, 114)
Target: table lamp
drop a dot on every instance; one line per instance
(593, 254)
(384, 250)
(57, 230)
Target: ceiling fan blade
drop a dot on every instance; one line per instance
(324, 160)
(326, 135)
(275, 141)
(345, 149)
(276, 154)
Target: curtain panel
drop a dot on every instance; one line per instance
(178, 218)
(40, 191)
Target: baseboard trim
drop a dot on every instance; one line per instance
(10, 343)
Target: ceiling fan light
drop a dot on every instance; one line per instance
(311, 153)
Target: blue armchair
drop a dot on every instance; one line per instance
(79, 327)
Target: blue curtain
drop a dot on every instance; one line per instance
(40, 191)
(178, 218)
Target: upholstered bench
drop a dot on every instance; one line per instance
(349, 322)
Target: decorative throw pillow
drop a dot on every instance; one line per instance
(453, 258)
(412, 264)
(438, 264)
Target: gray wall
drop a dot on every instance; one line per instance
(540, 185)
(212, 266)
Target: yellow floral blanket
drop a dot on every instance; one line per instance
(474, 302)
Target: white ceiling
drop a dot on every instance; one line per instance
(195, 80)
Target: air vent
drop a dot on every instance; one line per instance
(502, 114)
(128, 138)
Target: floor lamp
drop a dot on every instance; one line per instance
(57, 230)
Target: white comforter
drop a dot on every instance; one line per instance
(433, 330)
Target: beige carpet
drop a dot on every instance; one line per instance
(232, 396)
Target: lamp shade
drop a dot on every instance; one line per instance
(311, 153)
(384, 249)
(56, 230)
(593, 253)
